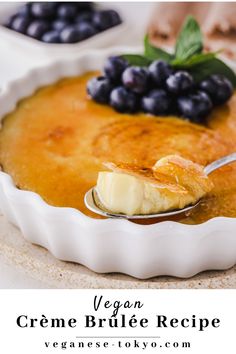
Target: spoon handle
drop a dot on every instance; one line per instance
(219, 163)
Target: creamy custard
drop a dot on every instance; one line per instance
(55, 143)
(172, 183)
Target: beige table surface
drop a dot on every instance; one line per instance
(38, 264)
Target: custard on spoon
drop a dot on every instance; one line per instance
(172, 183)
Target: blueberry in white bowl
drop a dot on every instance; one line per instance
(25, 10)
(37, 29)
(86, 16)
(67, 11)
(60, 24)
(85, 6)
(43, 9)
(70, 34)
(80, 20)
(20, 24)
(51, 37)
(106, 19)
(86, 30)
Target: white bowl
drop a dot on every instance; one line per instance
(111, 245)
(41, 49)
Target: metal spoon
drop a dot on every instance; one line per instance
(92, 201)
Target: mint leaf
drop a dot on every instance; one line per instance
(136, 59)
(194, 60)
(189, 41)
(210, 67)
(155, 53)
(188, 55)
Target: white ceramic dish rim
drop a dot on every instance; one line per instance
(144, 234)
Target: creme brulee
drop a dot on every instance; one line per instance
(55, 144)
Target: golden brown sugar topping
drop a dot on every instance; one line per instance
(56, 142)
(172, 172)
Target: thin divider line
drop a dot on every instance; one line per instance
(130, 337)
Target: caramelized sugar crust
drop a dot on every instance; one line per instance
(56, 142)
(172, 173)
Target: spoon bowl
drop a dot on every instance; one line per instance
(93, 203)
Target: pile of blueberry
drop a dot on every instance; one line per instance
(62, 22)
(158, 90)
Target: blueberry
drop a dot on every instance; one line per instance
(106, 19)
(114, 68)
(8, 22)
(156, 102)
(195, 106)
(67, 11)
(43, 9)
(25, 10)
(70, 34)
(99, 88)
(84, 16)
(85, 30)
(37, 28)
(218, 87)
(179, 82)
(123, 100)
(136, 79)
(51, 37)
(60, 24)
(20, 24)
(159, 72)
(84, 6)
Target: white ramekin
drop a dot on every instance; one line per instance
(40, 49)
(111, 245)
